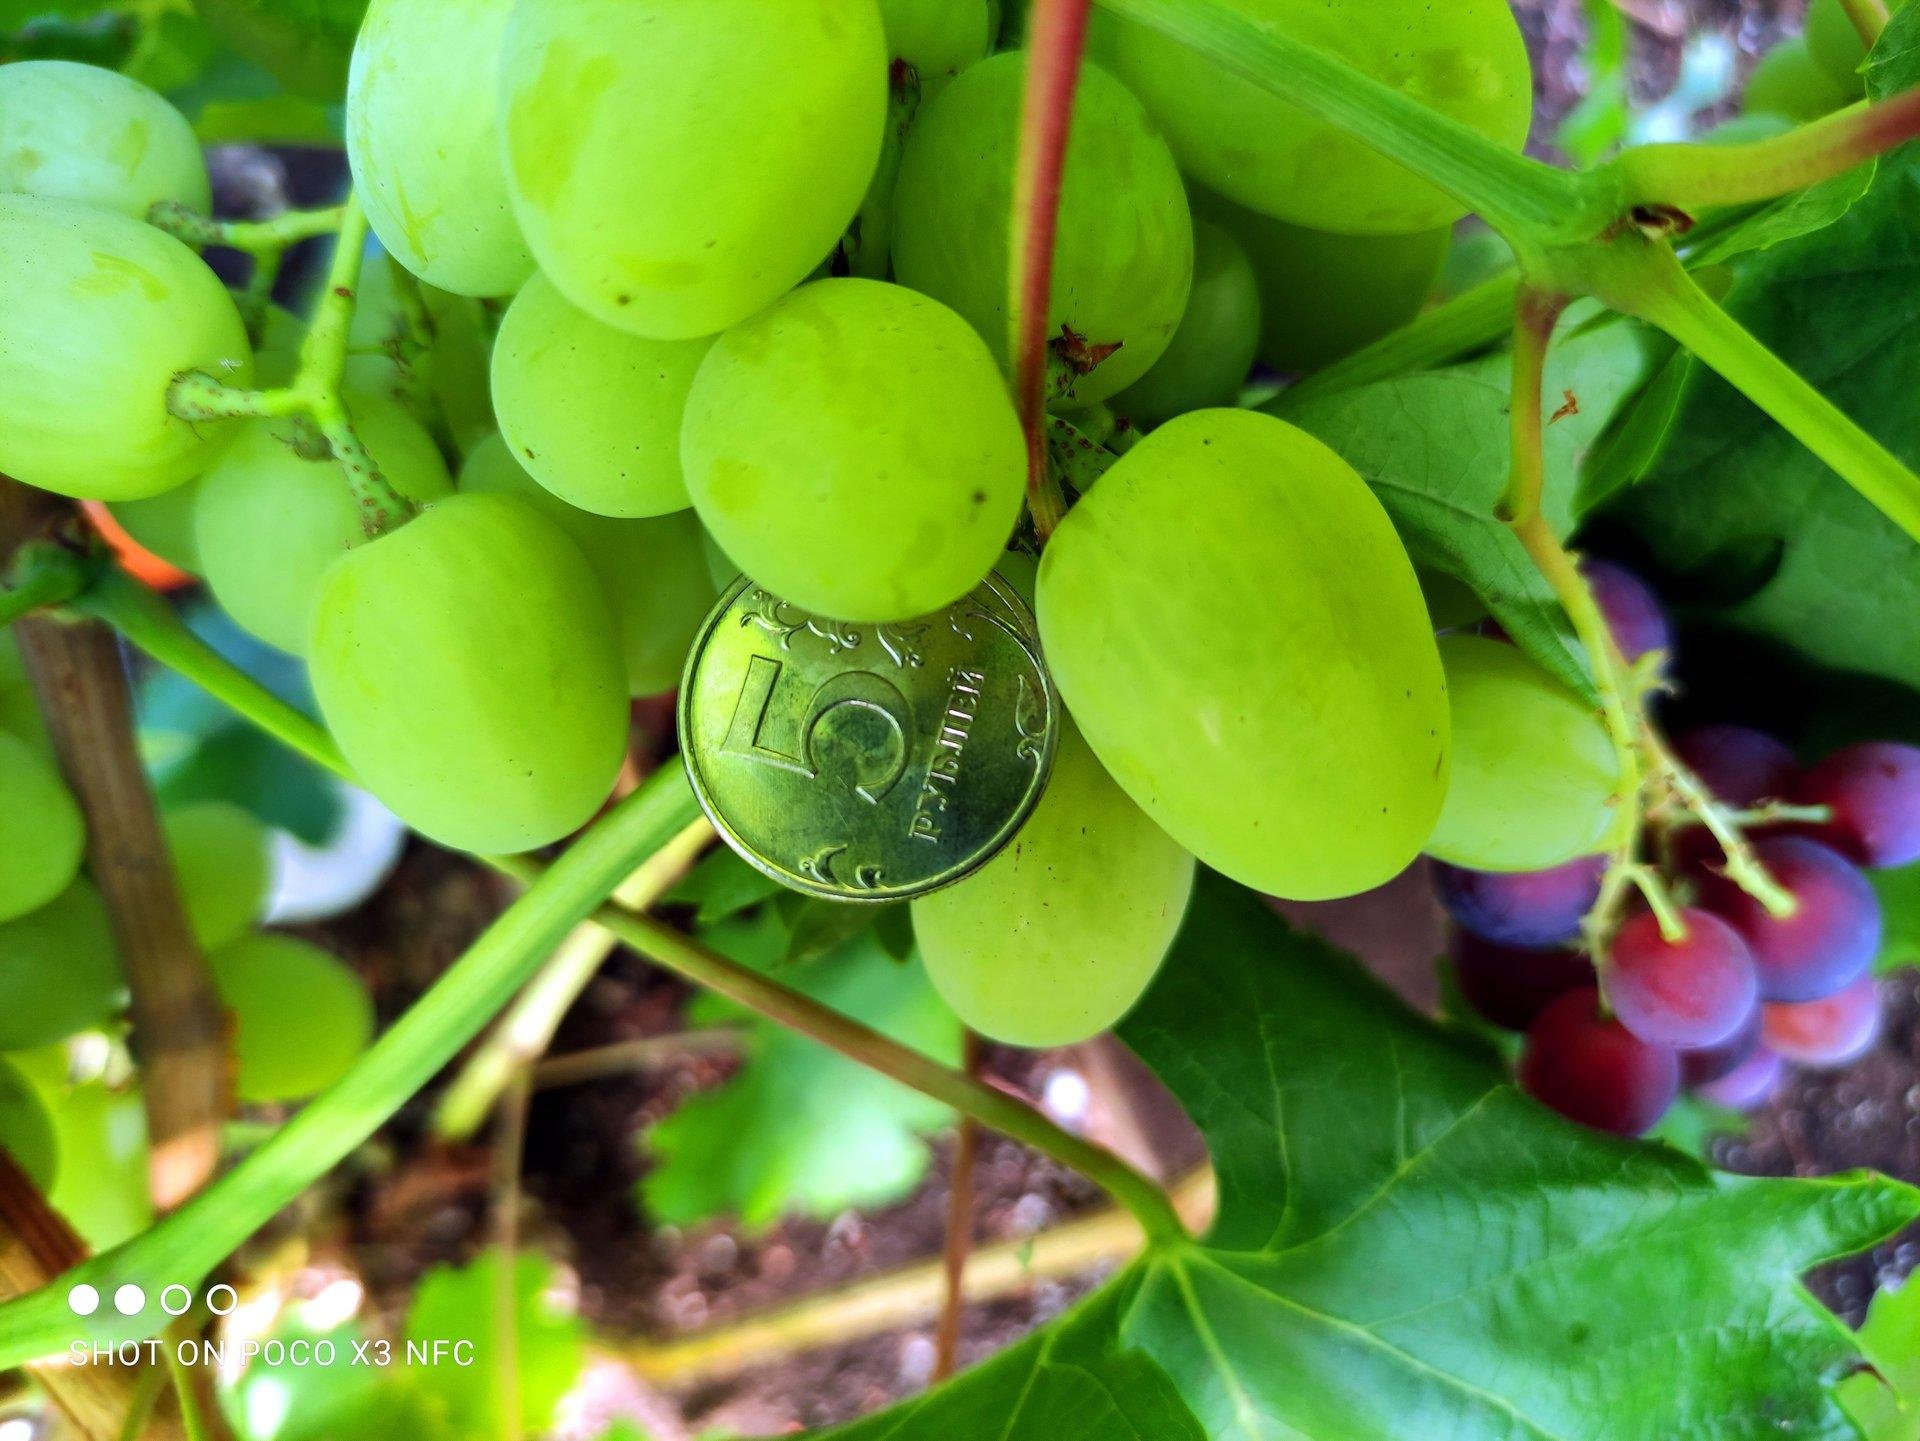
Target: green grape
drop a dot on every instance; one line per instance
(1021, 571)
(1465, 59)
(1790, 82)
(221, 862)
(101, 1136)
(720, 568)
(1535, 778)
(300, 1018)
(268, 521)
(938, 38)
(41, 831)
(81, 133)
(163, 524)
(593, 413)
(468, 665)
(98, 314)
(423, 138)
(854, 449)
(1212, 351)
(1054, 939)
(677, 167)
(1124, 259)
(1835, 42)
(19, 707)
(1323, 296)
(654, 571)
(59, 971)
(26, 1128)
(1241, 638)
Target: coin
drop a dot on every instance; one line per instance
(868, 762)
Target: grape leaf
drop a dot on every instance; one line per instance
(1899, 892)
(1885, 1401)
(305, 44)
(802, 1128)
(1407, 1247)
(1434, 446)
(458, 1305)
(1739, 515)
(722, 885)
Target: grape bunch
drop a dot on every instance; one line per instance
(1715, 988)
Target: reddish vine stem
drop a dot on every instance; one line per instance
(953, 1260)
(1057, 42)
(179, 1027)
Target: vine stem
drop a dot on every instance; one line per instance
(165, 638)
(1869, 17)
(1648, 282)
(255, 237)
(1056, 45)
(959, 1240)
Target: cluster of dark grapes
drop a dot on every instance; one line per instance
(1715, 991)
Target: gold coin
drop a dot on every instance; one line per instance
(868, 762)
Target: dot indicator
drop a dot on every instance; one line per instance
(129, 1300)
(83, 1300)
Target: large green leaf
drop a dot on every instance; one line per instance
(1408, 1248)
(1884, 1402)
(1435, 448)
(1742, 517)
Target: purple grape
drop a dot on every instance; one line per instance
(1633, 612)
(1710, 1063)
(1593, 1070)
(1747, 1086)
(1740, 766)
(1831, 1031)
(1533, 909)
(1697, 990)
(1510, 986)
(1831, 937)
(1874, 790)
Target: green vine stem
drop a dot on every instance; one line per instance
(255, 237)
(1869, 17)
(43, 573)
(187, 1245)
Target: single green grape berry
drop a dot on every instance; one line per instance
(19, 707)
(654, 571)
(1212, 351)
(469, 666)
(1323, 296)
(86, 134)
(1123, 261)
(163, 525)
(1465, 59)
(100, 1135)
(42, 834)
(854, 450)
(720, 567)
(938, 38)
(1790, 82)
(1535, 778)
(270, 518)
(423, 138)
(1240, 636)
(300, 1018)
(1055, 938)
(222, 865)
(677, 167)
(26, 1129)
(593, 413)
(1835, 42)
(98, 314)
(59, 971)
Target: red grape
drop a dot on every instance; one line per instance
(1831, 937)
(1633, 613)
(1532, 909)
(1592, 1069)
(1748, 1085)
(1510, 986)
(1874, 790)
(1740, 766)
(1696, 990)
(1828, 1032)
(1709, 1063)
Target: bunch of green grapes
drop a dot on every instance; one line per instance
(1465, 59)
(269, 518)
(853, 448)
(470, 667)
(1280, 707)
(654, 571)
(1536, 780)
(1123, 262)
(300, 1018)
(1055, 938)
(677, 167)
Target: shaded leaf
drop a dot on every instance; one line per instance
(722, 885)
(461, 1305)
(1885, 1401)
(1899, 892)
